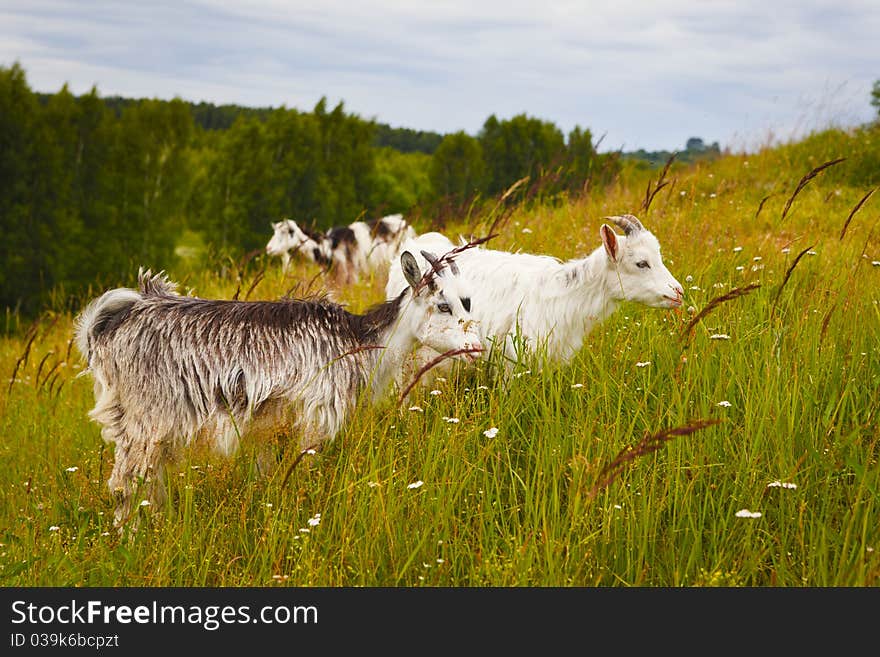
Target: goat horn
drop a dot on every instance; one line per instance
(627, 222)
(452, 266)
(433, 260)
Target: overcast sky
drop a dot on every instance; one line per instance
(645, 74)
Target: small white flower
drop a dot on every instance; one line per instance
(72, 468)
(441, 560)
(482, 387)
(527, 230)
(145, 502)
(691, 310)
(811, 253)
(643, 363)
(54, 528)
(745, 513)
(451, 420)
(268, 505)
(441, 379)
(781, 484)
(491, 433)
(719, 336)
(315, 520)
(724, 404)
(682, 193)
(737, 249)
(757, 259)
(574, 386)
(105, 533)
(372, 484)
(617, 506)
(876, 263)
(688, 279)
(712, 195)
(740, 268)
(416, 484)
(311, 451)
(304, 530)
(416, 409)
(436, 392)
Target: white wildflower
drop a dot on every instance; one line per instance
(372, 484)
(145, 502)
(876, 263)
(482, 387)
(737, 249)
(72, 468)
(781, 484)
(786, 250)
(643, 363)
(304, 530)
(54, 528)
(417, 409)
(724, 404)
(719, 336)
(451, 420)
(745, 513)
(416, 484)
(575, 386)
(688, 279)
(491, 432)
(315, 520)
(527, 230)
(436, 392)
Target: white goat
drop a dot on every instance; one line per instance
(552, 304)
(346, 250)
(169, 369)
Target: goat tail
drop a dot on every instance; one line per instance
(95, 317)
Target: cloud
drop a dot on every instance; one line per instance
(649, 74)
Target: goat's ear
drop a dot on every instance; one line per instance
(410, 269)
(609, 240)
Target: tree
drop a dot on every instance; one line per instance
(518, 147)
(875, 96)
(458, 169)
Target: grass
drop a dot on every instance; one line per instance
(592, 478)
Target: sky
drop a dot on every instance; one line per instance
(637, 73)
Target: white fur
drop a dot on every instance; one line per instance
(552, 304)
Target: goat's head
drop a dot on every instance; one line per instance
(440, 302)
(636, 268)
(287, 236)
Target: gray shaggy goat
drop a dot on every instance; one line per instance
(169, 369)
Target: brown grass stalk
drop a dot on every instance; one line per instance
(714, 303)
(788, 274)
(299, 457)
(807, 178)
(434, 362)
(649, 443)
(857, 207)
(649, 194)
(763, 201)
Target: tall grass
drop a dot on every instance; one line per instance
(480, 480)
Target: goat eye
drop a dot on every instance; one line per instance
(643, 264)
(444, 308)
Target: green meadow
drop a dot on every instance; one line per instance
(732, 443)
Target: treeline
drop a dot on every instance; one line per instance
(91, 187)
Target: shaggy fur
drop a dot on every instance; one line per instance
(169, 369)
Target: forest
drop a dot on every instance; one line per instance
(92, 187)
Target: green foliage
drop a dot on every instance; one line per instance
(875, 96)
(407, 140)
(457, 168)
